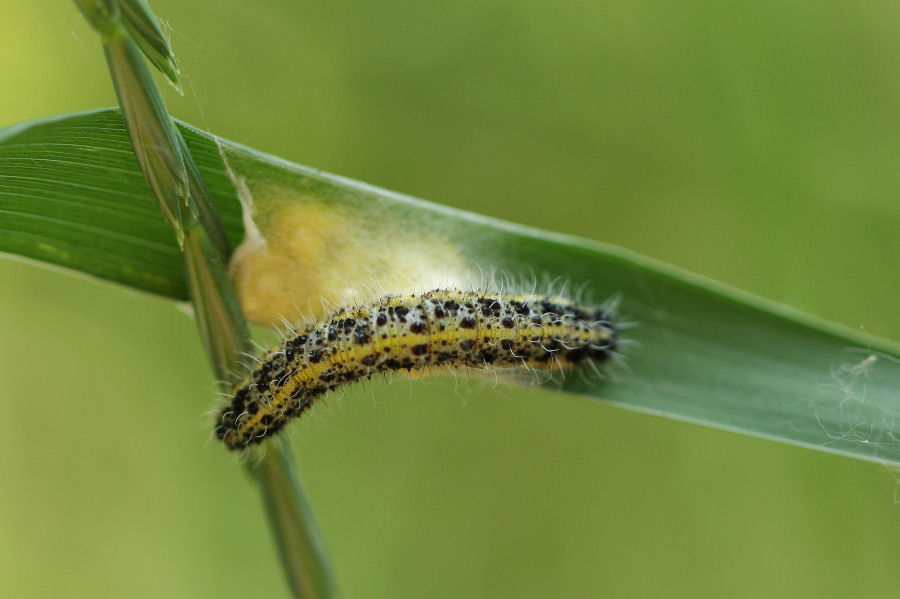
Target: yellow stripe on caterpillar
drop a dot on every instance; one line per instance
(412, 332)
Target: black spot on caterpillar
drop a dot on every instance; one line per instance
(412, 332)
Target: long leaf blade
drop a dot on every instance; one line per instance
(72, 195)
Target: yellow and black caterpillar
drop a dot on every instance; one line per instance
(412, 332)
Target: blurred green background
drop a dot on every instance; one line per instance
(755, 142)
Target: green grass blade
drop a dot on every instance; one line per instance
(72, 195)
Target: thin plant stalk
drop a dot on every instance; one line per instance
(127, 29)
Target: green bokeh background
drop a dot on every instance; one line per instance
(755, 142)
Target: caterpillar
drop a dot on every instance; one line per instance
(412, 332)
